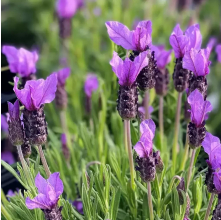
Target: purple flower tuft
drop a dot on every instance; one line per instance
(62, 75)
(91, 84)
(63, 139)
(162, 56)
(79, 206)
(217, 180)
(36, 92)
(13, 111)
(218, 52)
(49, 191)
(127, 71)
(144, 146)
(8, 157)
(212, 147)
(142, 109)
(20, 61)
(197, 61)
(137, 40)
(67, 8)
(211, 43)
(199, 107)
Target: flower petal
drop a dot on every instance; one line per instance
(40, 201)
(41, 184)
(120, 34)
(62, 75)
(208, 140)
(217, 180)
(147, 25)
(66, 8)
(91, 84)
(149, 126)
(11, 54)
(56, 183)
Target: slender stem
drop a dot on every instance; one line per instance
(176, 131)
(146, 104)
(130, 153)
(149, 198)
(186, 151)
(44, 162)
(190, 168)
(125, 136)
(209, 206)
(4, 68)
(161, 120)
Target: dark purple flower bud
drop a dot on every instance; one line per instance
(21, 61)
(218, 52)
(209, 181)
(158, 162)
(15, 130)
(8, 157)
(181, 187)
(49, 192)
(137, 40)
(79, 206)
(61, 94)
(65, 148)
(217, 211)
(26, 149)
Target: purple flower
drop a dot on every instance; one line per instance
(63, 139)
(137, 40)
(142, 109)
(217, 180)
(182, 43)
(13, 111)
(162, 56)
(144, 146)
(62, 75)
(197, 61)
(67, 8)
(20, 61)
(4, 124)
(127, 71)
(49, 191)
(218, 51)
(199, 107)
(212, 147)
(78, 205)
(36, 92)
(91, 84)
(8, 157)
(10, 193)
(211, 43)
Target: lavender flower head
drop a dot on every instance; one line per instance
(218, 52)
(14, 124)
(91, 84)
(48, 192)
(21, 61)
(199, 107)
(36, 92)
(127, 71)
(62, 75)
(137, 40)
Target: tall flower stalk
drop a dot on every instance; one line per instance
(209, 206)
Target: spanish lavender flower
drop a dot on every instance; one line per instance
(79, 206)
(141, 112)
(91, 84)
(180, 44)
(138, 40)
(8, 157)
(34, 95)
(163, 57)
(211, 44)
(49, 191)
(4, 124)
(65, 148)
(127, 72)
(199, 108)
(61, 94)
(21, 61)
(198, 62)
(218, 52)
(15, 130)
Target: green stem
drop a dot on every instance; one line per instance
(44, 162)
(209, 206)
(146, 104)
(161, 120)
(4, 68)
(125, 136)
(130, 153)
(176, 132)
(5, 213)
(186, 151)
(149, 198)
(190, 168)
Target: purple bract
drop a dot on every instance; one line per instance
(91, 84)
(127, 71)
(142, 109)
(144, 146)
(218, 52)
(36, 92)
(199, 107)
(20, 61)
(8, 157)
(63, 139)
(217, 180)
(211, 43)
(138, 39)
(48, 192)
(13, 111)
(62, 75)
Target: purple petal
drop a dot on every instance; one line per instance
(41, 184)
(148, 126)
(40, 201)
(4, 124)
(62, 75)
(218, 52)
(217, 180)
(163, 59)
(10, 193)
(211, 44)
(56, 183)
(142, 109)
(91, 84)
(208, 140)
(8, 157)
(66, 8)
(11, 54)
(14, 110)
(129, 73)
(120, 35)
(63, 139)
(78, 205)
(147, 25)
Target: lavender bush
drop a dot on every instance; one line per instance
(106, 135)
